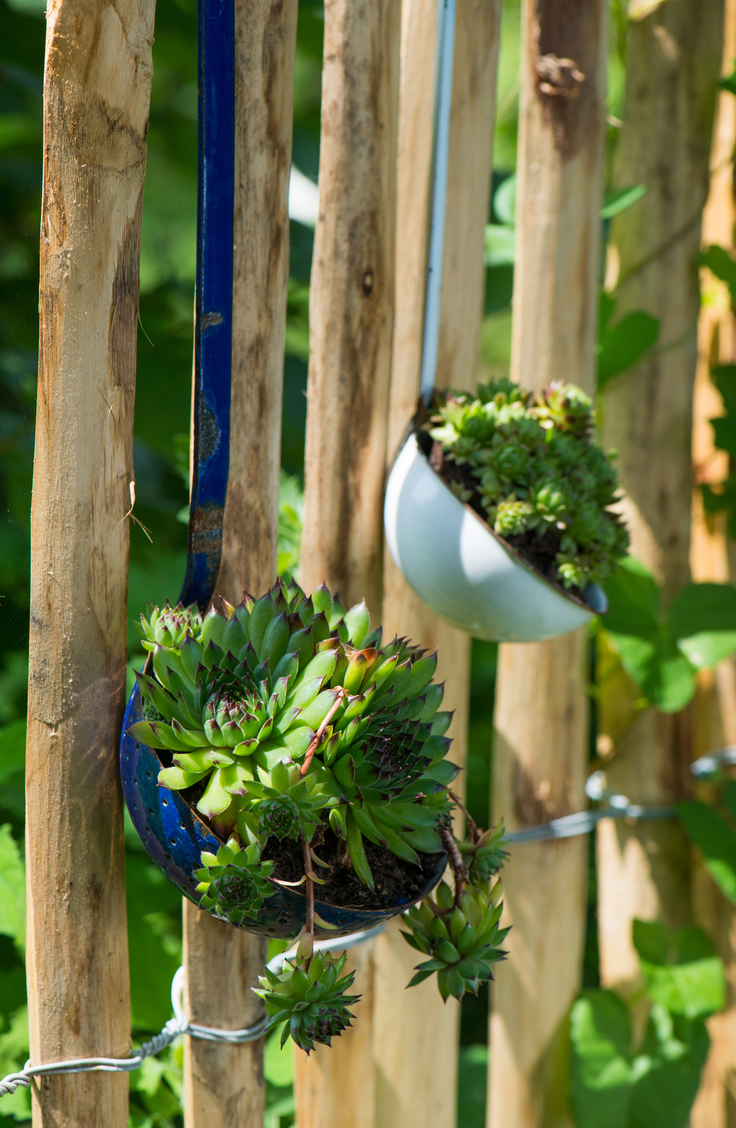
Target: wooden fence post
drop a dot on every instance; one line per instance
(541, 721)
(96, 99)
(714, 722)
(674, 59)
(351, 324)
(415, 1041)
(223, 1084)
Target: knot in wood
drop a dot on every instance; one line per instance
(558, 77)
(368, 282)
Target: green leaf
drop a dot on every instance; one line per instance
(714, 836)
(600, 1035)
(650, 940)
(504, 200)
(663, 672)
(500, 244)
(720, 263)
(278, 1063)
(12, 748)
(154, 939)
(695, 989)
(702, 619)
(729, 83)
(703, 607)
(724, 378)
(663, 1091)
(633, 600)
(357, 621)
(724, 433)
(623, 198)
(12, 888)
(623, 344)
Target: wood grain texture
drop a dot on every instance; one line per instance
(336, 1085)
(559, 190)
(223, 1085)
(540, 753)
(265, 48)
(352, 303)
(96, 100)
(673, 66)
(351, 326)
(541, 721)
(714, 713)
(415, 1035)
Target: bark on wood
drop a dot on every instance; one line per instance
(416, 1036)
(223, 1084)
(351, 323)
(97, 93)
(714, 719)
(351, 303)
(673, 67)
(541, 721)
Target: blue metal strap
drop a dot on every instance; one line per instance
(213, 298)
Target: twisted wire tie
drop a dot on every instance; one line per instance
(568, 826)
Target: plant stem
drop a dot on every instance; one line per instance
(309, 890)
(457, 864)
(469, 820)
(318, 736)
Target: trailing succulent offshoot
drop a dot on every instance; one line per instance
(287, 714)
(528, 463)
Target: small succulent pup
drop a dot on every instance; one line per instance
(286, 713)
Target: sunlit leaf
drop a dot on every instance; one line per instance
(623, 198)
(624, 343)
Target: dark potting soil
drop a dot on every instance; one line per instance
(396, 881)
(539, 550)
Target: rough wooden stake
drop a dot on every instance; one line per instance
(351, 303)
(223, 1085)
(96, 99)
(714, 721)
(674, 58)
(351, 322)
(415, 1040)
(540, 749)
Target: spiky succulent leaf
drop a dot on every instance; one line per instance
(310, 997)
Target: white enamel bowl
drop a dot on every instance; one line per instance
(466, 573)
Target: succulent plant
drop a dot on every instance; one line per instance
(484, 855)
(298, 682)
(535, 468)
(461, 935)
(310, 998)
(234, 882)
(285, 714)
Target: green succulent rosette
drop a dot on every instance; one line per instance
(287, 711)
(462, 939)
(234, 881)
(485, 856)
(535, 468)
(310, 997)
